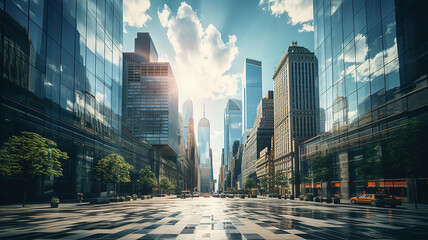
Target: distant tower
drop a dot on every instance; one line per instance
(187, 114)
(232, 127)
(204, 153)
(251, 94)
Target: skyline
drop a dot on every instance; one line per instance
(217, 21)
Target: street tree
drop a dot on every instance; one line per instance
(147, 179)
(28, 156)
(250, 183)
(406, 154)
(323, 170)
(295, 180)
(113, 169)
(370, 166)
(165, 183)
(280, 181)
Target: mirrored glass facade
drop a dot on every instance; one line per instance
(372, 64)
(61, 76)
(251, 92)
(187, 114)
(232, 127)
(204, 155)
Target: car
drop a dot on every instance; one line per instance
(376, 200)
(222, 195)
(206, 195)
(195, 194)
(216, 195)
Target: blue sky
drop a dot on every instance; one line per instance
(207, 41)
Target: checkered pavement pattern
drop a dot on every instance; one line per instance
(209, 218)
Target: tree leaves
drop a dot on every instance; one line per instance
(147, 179)
(113, 169)
(322, 168)
(30, 155)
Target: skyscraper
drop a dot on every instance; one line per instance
(259, 138)
(192, 155)
(372, 61)
(187, 114)
(144, 48)
(295, 111)
(151, 101)
(61, 77)
(251, 94)
(232, 127)
(204, 154)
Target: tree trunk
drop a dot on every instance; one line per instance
(115, 193)
(415, 193)
(25, 193)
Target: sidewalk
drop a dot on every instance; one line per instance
(347, 202)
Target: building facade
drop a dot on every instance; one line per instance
(259, 138)
(235, 163)
(151, 102)
(295, 107)
(187, 110)
(61, 77)
(372, 58)
(232, 127)
(265, 169)
(251, 94)
(192, 156)
(204, 150)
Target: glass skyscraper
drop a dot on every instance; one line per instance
(204, 155)
(232, 127)
(372, 62)
(187, 115)
(251, 93)
(61, 77)
(151, 98)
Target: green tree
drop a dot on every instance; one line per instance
(369, 167)
(165, 184)
(280, 181)
(147, 179)
(405, 155)
(264, 183)
(113, 169)
(30, 155)
(295, 180)
(323, 170)
(250, 183)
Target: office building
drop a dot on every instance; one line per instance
(151, 101)
(265, 169)
(251, 94)
(295, 112)
(259, 138)
(61, 77)
(372, 61)
(232, 127)
(204, 150)
(235, 163)
(187, 110)
(192, 156)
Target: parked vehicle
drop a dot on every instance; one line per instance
(378, 200)
(216, 195)
(222, 195)
(206, 195)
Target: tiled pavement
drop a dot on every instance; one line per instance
(211, 218)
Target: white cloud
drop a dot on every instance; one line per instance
(299, 11)
(201, 57)
(134, 13)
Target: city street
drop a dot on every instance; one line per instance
(211, 218)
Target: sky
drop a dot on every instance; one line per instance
(207, 41)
